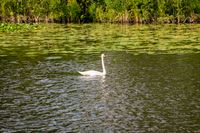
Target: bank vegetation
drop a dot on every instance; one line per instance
(114, 11)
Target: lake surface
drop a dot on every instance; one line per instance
(152, 85)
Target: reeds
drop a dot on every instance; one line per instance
(121, 11)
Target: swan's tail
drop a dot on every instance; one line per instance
(82, 73)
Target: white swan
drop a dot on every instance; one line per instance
(96, 73)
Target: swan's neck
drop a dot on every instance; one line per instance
(103, 66)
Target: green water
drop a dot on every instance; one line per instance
(152, 82)
(95, 38)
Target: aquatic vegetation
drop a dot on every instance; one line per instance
(75, 39)
(121, 11)
(10, 27)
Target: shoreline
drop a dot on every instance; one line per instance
(41, 20)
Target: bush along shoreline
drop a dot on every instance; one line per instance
(113, 11)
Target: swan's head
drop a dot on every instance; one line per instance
(102, 55)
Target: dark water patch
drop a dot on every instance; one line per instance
(141, 93)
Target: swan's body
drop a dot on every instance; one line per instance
(96, 73)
